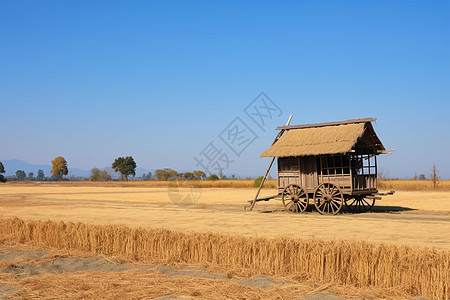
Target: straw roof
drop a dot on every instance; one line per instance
(322, 140)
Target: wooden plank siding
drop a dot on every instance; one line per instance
(308, 173)
(298, 170)
(353, 173)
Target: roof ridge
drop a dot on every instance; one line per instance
(336, 123)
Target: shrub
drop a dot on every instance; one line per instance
(213, 177)
(257, 181)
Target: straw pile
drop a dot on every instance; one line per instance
(423, 272)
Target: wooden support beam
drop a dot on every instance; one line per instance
(270, 166)
(373, 197)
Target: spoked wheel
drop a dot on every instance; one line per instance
(295, 199)
(328, 199)
(359, 204)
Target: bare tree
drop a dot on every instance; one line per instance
(434, 177)
(382, 174)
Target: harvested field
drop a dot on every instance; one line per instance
(359, 264)
(100, 277)
(408, 218)
(414, 185)
(145, 226)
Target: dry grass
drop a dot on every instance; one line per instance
(416, 271)
(237, 183)
(151, 285)
(413, 185)
(138, 285)
(399, 185)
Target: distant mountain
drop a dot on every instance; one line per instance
(12, 165)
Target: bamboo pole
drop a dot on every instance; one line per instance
(270, 165)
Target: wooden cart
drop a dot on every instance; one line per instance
(330, 164)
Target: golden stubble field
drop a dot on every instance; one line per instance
(399, 250)
(416, 218)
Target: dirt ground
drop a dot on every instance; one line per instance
(415, 218)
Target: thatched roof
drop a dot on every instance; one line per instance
(328, 138)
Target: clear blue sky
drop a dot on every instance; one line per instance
(93, 80)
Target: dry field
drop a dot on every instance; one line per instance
(399, 185)
(414, 185)
(412, 218)
(216, 231)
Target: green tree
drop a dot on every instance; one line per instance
(31, 176)
(188, 175)
(21, 175)
(2, 170)
(126, 166)
(172, 173)
(199, 175)
(165, 174)
(40, 175)
(59, 167)
(98, 175)
(213, 177)
(95, 175)
(161, 175)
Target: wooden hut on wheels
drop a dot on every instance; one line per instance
(331, 163)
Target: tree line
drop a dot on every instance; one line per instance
(124, 166)
(59, 169)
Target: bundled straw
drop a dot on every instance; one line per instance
(423, 272)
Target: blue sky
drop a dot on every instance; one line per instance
(93, 80)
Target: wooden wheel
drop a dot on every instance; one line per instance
(328, 199)
(359, 204)
(295, 199)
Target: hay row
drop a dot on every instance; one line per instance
(423, 272)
